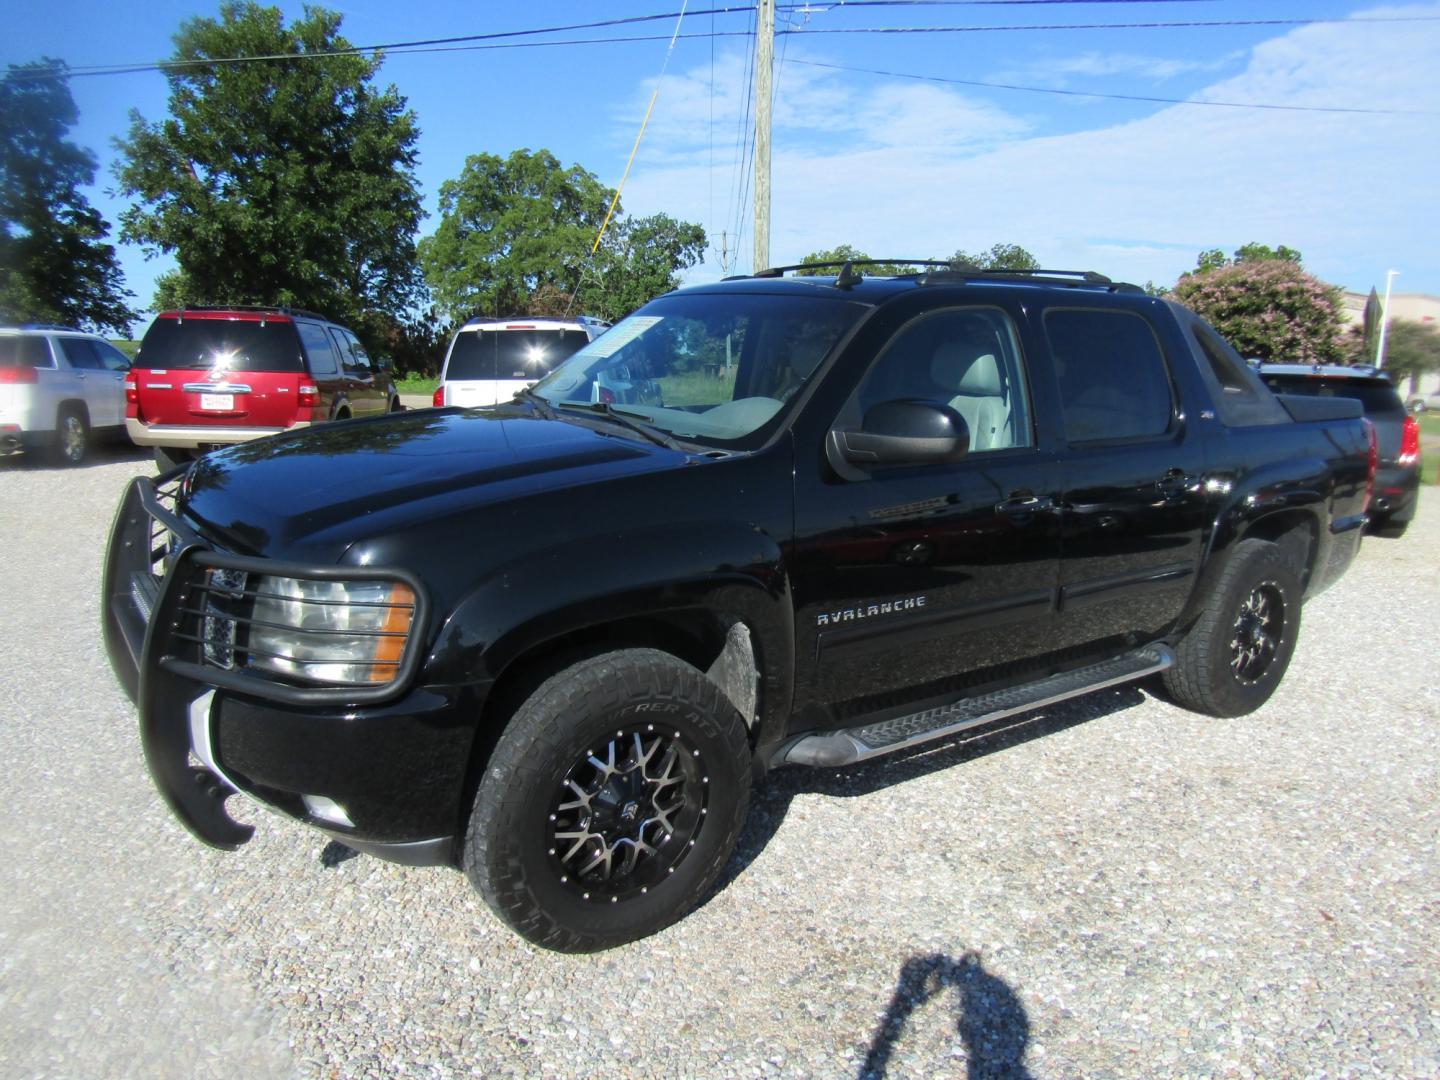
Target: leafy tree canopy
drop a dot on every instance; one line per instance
(1269, 308)
(516, 234)
(509, 228)
(847, 253)
(1412, 349)
(999, 257)
(287, 182)
(639, 259)
(54, 264)
(1215, 259)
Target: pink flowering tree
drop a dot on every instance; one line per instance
(1269, 308)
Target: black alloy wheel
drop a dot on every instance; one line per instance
(1235, 653)
(611, 801)
(627, 814)
(1259, 629)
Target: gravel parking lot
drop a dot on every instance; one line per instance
(1110, 888)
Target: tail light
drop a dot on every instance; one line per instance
(309, 395)
(606, 395)
(132, 389)
(438, 398)
(1372, 463)
(1410, 442)
(22, 374)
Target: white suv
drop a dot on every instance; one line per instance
(59, 388)
(490, 359)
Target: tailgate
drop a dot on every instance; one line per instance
(240, 399)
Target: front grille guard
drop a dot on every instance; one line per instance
(153, 560)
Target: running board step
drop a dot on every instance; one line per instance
(887, 736)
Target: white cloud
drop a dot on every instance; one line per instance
(907, 170)
(1095, 64)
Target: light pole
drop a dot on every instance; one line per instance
(1390, 276)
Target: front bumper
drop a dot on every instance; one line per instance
(383, 771)
(195, 436)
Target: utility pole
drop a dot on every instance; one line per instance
(764, 59)
(1390, 275)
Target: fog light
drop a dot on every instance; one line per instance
(327, 810)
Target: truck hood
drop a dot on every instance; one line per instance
(310, 495)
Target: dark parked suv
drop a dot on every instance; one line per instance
(207, 377)
(1397, 481)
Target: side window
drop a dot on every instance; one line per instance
(347, 359)
(81, 354)
(318, 349)
(966, 358)
(111, 358)
(1113, 380)
(362, 358)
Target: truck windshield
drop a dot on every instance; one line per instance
(713, 367)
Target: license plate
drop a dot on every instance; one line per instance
(217, 402)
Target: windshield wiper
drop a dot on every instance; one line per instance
(629, 420)
(540, 404)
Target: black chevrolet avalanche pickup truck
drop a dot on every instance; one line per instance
(772, 520)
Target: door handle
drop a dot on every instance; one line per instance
(1025, 504)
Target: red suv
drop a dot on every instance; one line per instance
(207, 377)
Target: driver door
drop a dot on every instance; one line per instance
(913, 580)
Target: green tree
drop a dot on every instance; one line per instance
(639, 259)
(847, 253)
(1269, 308)
(511, 228)
(999, 257)
(1412, 349)
(54, 263)
(282, 182)
(1215, 259)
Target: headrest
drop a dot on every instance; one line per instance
(955, 366)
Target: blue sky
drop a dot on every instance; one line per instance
(899, 166)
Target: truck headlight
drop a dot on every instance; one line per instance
(345, 632)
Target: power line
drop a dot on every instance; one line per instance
(486, 42)
(1118, 97)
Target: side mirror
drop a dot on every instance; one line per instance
(383, 363)
(909, 431)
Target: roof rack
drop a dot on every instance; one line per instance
(272, 309)
(44, 326)
(942, 270)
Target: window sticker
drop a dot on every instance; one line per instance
(613, 340)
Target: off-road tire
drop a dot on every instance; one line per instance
(511, 851)
(72, 437)
(1232, 659)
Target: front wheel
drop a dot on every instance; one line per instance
(610, 803)
(72, 437)
(1233, 658)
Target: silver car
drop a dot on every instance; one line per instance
(59, 388)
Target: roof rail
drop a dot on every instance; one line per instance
(941, 270)
(274, 309)
(45, 326)
(781, 271)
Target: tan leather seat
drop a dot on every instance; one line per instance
(979, 395)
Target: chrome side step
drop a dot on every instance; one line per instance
(845, 747)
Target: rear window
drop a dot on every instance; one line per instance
(1376, 395)
(220, 343)
(511, 354)
(24, 351)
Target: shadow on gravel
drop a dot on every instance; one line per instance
(335, 853)
(771, 800)
(101, 453)
(989, 1018)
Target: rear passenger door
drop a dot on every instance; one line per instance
(1133, 506)
(369, 396)
(95, 384)
(323, 364)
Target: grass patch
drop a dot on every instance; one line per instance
(129, 348)
(1429, 423)
(697, 388)
(416, 384)
(1430, 468)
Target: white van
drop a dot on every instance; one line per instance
(490, 359)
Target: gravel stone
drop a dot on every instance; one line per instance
(1111, 887)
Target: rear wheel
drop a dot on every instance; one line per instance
(611, 802)
(72, 436)
(1234, 656)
